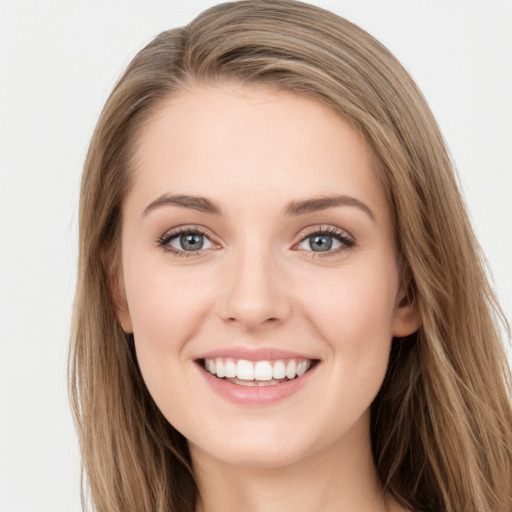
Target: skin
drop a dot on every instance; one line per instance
(258, 283)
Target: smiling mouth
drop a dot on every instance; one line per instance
(257, 373)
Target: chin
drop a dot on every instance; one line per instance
(259, 457)
(256, 450)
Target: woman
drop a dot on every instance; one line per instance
(281, 303)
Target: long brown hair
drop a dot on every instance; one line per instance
(442, 423)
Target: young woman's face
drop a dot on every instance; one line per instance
(260, 275)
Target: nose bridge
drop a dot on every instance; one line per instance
(254, 293)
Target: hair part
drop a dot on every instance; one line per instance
(441, 425)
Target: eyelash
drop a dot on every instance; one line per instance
(341, 236)
(166, 238)
(346, 240)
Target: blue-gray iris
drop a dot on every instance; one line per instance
(320, 243)
(192, 242)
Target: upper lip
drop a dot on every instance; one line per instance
(253, 354)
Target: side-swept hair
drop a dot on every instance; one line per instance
(441, 425)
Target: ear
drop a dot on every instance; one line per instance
(117, 290)
(407, 318)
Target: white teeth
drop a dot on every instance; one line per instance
(210, 366)
(244, 370)
(261, 371)
(279, 370)
(229, 369)
(219, 365)
(291, 369)
(302, 367)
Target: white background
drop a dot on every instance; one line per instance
(58, 62)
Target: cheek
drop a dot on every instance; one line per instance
(354, 316)
(354, 302)
(162, 302)
(167, 309)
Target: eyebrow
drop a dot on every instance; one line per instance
(323, 203)
(201, 204)
(293, 208)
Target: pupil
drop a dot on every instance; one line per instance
(191, 242)
(320, 243)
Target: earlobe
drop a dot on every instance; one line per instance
(117, 292)
(407, 319)
(121, 304)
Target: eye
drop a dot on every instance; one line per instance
(326, 241)
(184, 241)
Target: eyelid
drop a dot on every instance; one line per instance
(346, 239)
(163, 241)
(343, 236)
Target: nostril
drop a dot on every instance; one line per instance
(271, 320)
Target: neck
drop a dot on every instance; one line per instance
(340, 478)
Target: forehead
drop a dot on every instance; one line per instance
(235, 141)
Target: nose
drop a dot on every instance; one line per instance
(254, 292)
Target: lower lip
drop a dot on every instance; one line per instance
(255, 395)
